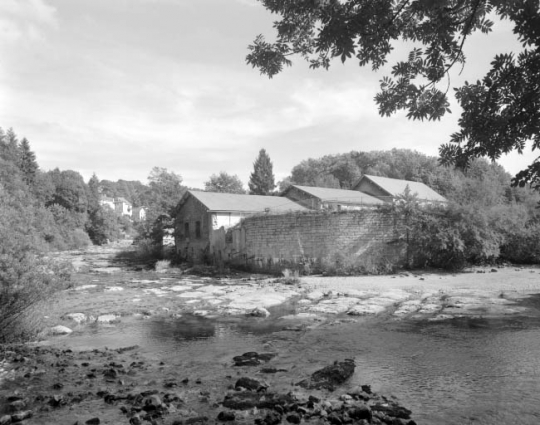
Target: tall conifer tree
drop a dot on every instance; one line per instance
(27, 162)
(261, 181)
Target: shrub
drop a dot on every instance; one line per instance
(162, 266)
(26, 281)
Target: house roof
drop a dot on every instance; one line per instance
(326, 194)
(124, 200)
(396, 187)
(229, 202)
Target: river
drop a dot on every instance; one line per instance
(460, 371)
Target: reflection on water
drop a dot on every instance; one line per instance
(462, 371)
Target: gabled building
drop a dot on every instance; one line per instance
(201, 214)
(108, 201)
(138, 214)
(387, 189)
(122, 207)
(323, 198)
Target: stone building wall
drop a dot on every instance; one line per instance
(266, 241)
(196, 240)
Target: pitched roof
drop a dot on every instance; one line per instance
(124, 200)
(244, 203)
(396, 187)
(326, 194)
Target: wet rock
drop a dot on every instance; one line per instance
(76, 317)
(361, 413)
(272, 370)
(21, 416)
(293, 418)
(110, 374)
(252, 358)
(107, 318)
(60, 330)
(331, 376)
(226, 416)
(259, 312)
(392, 409)
(17, 406)
(250, 384)
(135, 420)
(334, 419)
(244, 400)
(5, 420)
(195, 420)
(272, 418)
(57, 400)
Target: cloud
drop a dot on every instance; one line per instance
(25, 19)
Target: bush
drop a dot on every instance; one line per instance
(26, 280)
(27, 277)
(523, 245)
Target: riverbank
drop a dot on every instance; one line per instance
(60, 383)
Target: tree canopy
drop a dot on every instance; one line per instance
(500, 112)
(261, 181)
(224, 183)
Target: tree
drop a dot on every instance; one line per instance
(501, 112)
(94, 194)
(27, 162)
(224, 183)
(261, 181)
(166, 190)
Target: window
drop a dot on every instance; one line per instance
(186, 230)
(198, 229)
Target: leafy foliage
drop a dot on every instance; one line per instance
(224, 183)
(261, 181)
(501, 112)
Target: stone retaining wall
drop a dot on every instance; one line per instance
(274, 241)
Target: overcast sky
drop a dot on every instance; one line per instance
(117, 87)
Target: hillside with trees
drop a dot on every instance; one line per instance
(487, 220)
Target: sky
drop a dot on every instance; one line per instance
(117, 87)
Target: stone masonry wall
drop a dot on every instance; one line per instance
(190, 246)
(297, 238)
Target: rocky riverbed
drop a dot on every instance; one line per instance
(48, 382)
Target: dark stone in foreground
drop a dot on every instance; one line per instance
(226, 416)
(330, 377)
(244, 400)
(392, 409)
(252, 358)
(250, 384)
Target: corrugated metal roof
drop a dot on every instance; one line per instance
(396, 187)
(326, 194)
(245, 203)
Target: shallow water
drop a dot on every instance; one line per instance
(462, 371)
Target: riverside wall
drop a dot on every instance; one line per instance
(270, 242)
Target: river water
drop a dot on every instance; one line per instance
(460, 371)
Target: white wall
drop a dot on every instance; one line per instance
(225, 220)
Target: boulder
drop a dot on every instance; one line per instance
(21, 416)
(226, 416)
(331, 376)
(259, 312)
(250, 384)
(60, 330)
(245, 400)
(76, 317)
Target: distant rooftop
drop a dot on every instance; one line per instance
(124, 200)
(223, 202)
(396, 187)
(344, 196)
